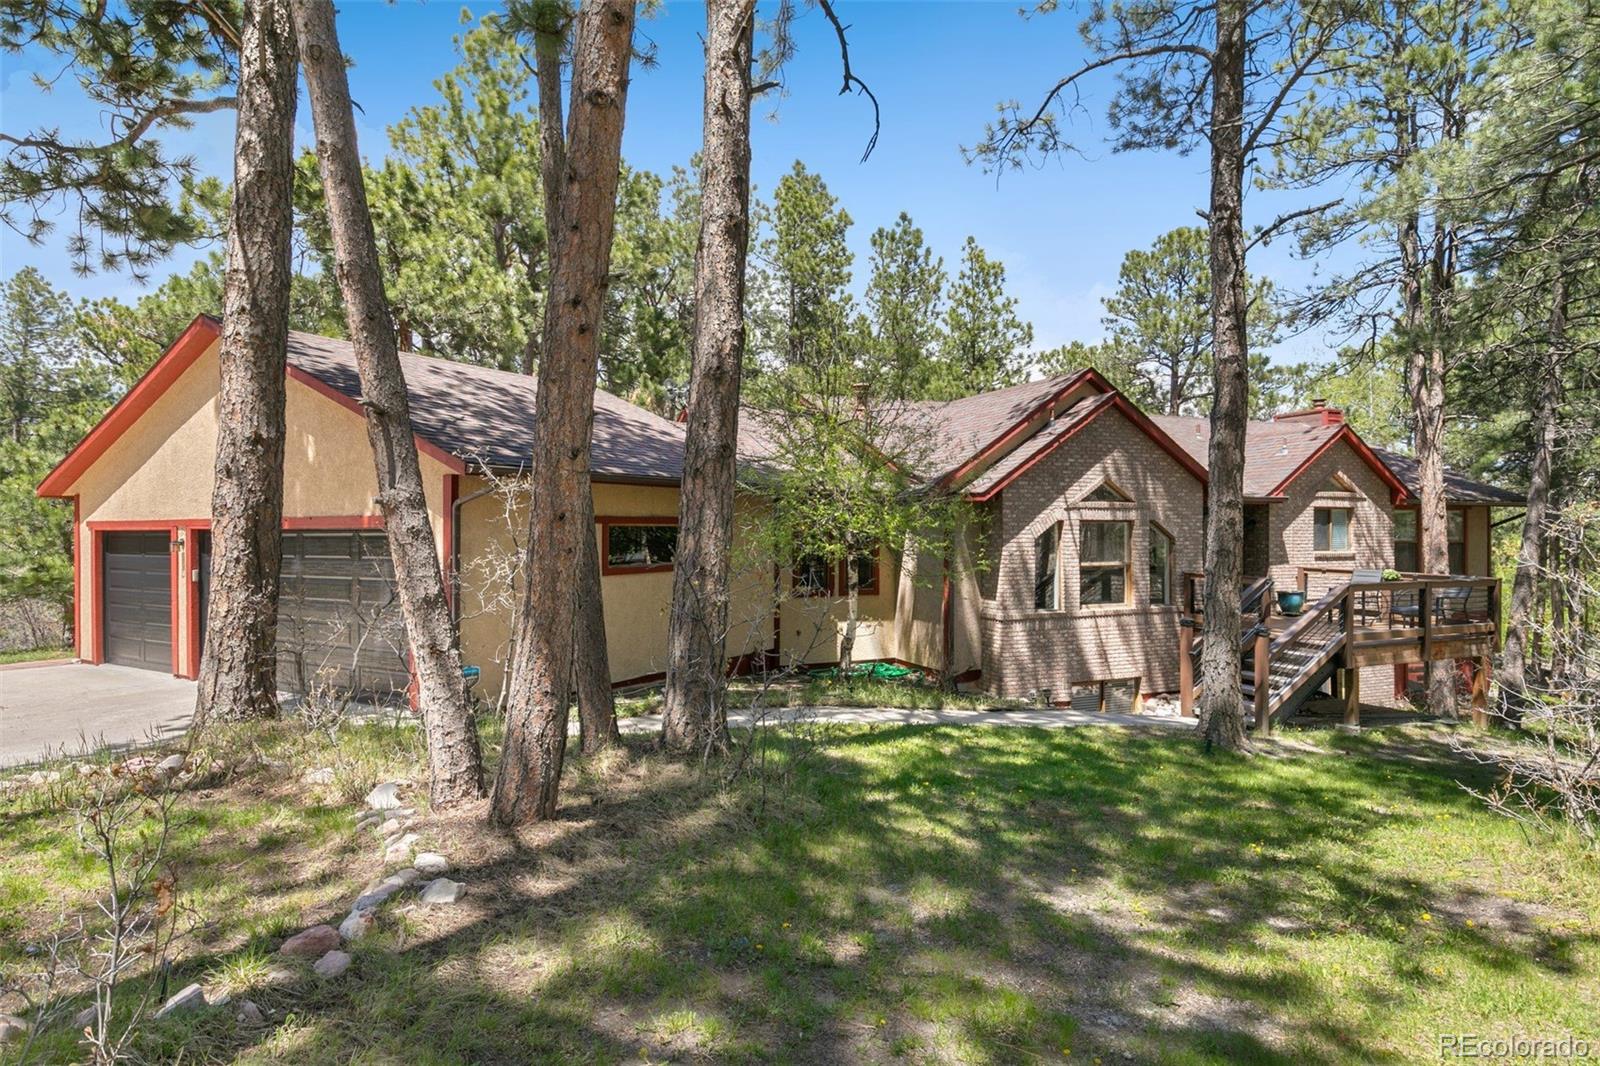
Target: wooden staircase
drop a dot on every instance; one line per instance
(1358, 621)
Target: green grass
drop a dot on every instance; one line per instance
(910, 693)
(33, 655)
(897, 894)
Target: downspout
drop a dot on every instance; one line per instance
(455, 547)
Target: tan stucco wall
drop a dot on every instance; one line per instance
(636, 605)
(919, 601)
(162, 470)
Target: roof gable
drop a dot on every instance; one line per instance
(460, 413)
(1276, 453)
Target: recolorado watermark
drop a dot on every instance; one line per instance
(1566, 1048)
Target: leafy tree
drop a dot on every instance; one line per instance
(1158, 324)
(985, 345)
(904, 297)
(148, 67)
(805, 310)
(51, 394)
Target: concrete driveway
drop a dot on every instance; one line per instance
(73, 708)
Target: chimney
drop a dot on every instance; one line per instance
(1319, 414)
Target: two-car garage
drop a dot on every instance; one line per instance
(339, 622)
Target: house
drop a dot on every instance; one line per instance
(1070, 581)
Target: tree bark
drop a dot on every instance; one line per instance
(238, 673)
(1525, 585)
(694, 717)
(1221, 711)
(597, 709)
(454, 762)
(1427, 410)
(529, 777)
(847, 643)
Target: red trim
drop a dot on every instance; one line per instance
(426, 447)
(97, 532)
(191, 563)
(1397, 488)
(77, 579)
(989, 450)
(607, 521)
(351, 521)
(190, 345)
(1132, 414)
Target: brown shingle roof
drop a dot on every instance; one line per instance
(486, 416)
(1066, 422)
(1457, 487)
(963, 428)
(1272, 451)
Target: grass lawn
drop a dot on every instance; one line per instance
(882, 894)
(911, 693)
(33, 655)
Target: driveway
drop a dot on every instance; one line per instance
(72, 708)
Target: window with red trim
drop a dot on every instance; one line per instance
(866, 568)
(638, 546)
(813, 576)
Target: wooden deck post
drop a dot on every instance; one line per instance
(1186, 667)
(1480, 692)
(1263, 672)
(1352, 697)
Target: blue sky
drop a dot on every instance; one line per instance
(938, 70)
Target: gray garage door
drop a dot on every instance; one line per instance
(339, 621)
(136, 583)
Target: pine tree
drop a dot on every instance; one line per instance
(904, 298)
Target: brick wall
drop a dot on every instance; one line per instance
(1292, 522)
(1026, 649)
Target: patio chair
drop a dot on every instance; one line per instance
(1365, 614)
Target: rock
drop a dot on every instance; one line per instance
(311, 942)
(171, 766)
(357, 925)
(86, 769)
(83, 1019)
(442, 891)
(368, 820)
(249, 1014)
(138, 764)
(191, 998)
(375, 895)
(385, 797)
(322, 775)
(12, 1028)
(400, 848)
(431, 863)
(393, 827)
(332, 964)
(279, 977)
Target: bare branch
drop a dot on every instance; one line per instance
(850, 77)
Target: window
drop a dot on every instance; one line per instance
(865, 565)
(1407, 541)
(1332, 531)
(1044, 568)
(1160, 565)
(813, 576)
(1106, 492)
(1406, 555)
(639, 546)
(1103, 562)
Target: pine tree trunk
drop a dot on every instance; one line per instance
(694, 717)
(847, 643)
(238, 673)
(597, 709)
(1427, 410)
(529, 777)
(1221, 711)
(1524, 587)
(454, 762)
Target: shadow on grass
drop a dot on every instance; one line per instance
(915, 893)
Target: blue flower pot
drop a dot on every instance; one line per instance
(1291, 602)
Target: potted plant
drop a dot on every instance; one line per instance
(1291, 602)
